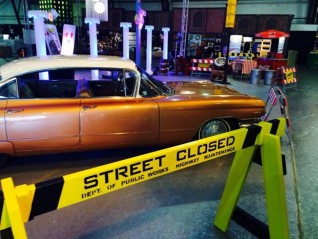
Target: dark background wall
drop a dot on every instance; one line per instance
(303, 42)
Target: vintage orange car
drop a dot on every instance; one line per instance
(57, 104)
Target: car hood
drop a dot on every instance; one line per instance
(201, 88)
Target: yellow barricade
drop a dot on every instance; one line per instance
(22, 203)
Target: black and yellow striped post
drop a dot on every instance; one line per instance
(273, 183)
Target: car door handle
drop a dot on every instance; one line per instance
(15, 111)
(87, 107)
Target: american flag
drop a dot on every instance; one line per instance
(272, 96)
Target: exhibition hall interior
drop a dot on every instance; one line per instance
(158, 119)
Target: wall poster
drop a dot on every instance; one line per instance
(52, 39)
(194, 42)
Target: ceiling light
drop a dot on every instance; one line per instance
(99, 7)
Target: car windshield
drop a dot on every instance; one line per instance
(160, 86)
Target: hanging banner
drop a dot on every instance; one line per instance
(230, 14)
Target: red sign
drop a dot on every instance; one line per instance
(271, 34)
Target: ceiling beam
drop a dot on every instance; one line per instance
(16, 12)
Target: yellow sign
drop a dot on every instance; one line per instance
(91, 183)
(289, 74)
(101, 180)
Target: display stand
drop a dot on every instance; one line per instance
(217, 74)
(265, 47)
(271, 63)
(163, 67)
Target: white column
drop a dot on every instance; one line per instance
(39, 32)
(165, 42)
(92, 34)
(149, 49)
(125, 26)
(92, 22)
(38, 17)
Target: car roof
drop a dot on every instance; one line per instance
(35, 63)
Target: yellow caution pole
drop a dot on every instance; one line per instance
(13, 209)
(274, 187)
(234, 184)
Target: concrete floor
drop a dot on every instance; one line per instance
(183, 204)
(303, 108)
